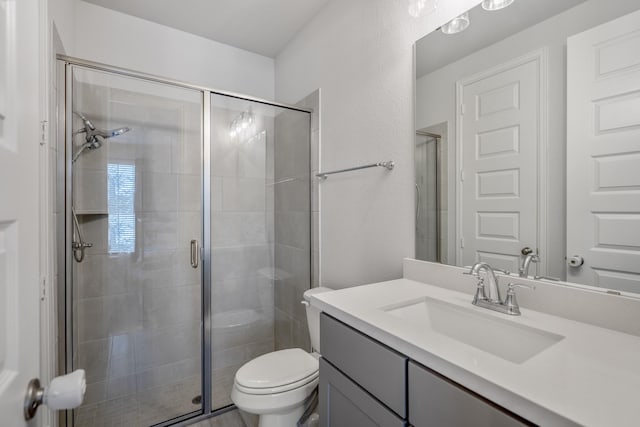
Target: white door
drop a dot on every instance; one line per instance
(19, 219)
(498, 140)
(603, 154)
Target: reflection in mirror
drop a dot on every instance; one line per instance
(527, 144)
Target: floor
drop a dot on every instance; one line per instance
(228, 419)
(141, 409)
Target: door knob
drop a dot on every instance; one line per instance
(526, 251)
(65, 392)
(575, 261)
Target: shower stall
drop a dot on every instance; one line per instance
(183, 231)
(430, 200)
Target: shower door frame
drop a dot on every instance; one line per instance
(64, 66)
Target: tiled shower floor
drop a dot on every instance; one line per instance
(156, 405)
(228, 419)
(142, 409)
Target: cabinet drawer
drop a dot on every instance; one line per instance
(435, 401)
(344, 403)
(376, 368)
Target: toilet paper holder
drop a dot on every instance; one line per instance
(64, 392)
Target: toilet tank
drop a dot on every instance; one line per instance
(313, 316)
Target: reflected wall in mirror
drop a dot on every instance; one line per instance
(528, 142)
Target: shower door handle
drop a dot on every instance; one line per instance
(195, 254)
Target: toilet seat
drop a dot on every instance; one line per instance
(277, 390)
(277, 372)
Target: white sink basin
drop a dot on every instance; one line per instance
(503, 338)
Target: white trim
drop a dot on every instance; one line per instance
(541, 57)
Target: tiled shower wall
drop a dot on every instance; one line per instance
(295, 196)
(242, 244)
(137, 314)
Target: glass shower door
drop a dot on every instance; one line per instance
(260, 234)
(135, 169)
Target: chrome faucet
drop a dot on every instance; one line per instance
(523, 271)
(492, 301)
(492, 292)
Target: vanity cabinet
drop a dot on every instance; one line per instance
(362, 382)
(345, 403)
(365, 383)
(436, 401)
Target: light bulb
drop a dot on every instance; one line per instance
(416, 7)
(456, 25)
(492, 5)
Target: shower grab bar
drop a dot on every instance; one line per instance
(387, 165)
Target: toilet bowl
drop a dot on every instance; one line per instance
(277, 386)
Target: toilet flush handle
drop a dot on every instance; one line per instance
(305, 303)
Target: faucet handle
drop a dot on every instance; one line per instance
(505, 272)
(480, 291)
(510, 301)
(511, 287)
(470, 272)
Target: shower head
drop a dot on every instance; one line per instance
(95, 137)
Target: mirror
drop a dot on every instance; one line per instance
(527, 143)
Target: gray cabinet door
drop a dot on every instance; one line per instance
(344, 404)
(375, 367)
(437, 402)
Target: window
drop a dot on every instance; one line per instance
(121, 190)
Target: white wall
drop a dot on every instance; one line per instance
(360, 53)
(435, 99)
(114, 38)
(62, 14)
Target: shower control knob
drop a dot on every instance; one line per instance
(575, 261)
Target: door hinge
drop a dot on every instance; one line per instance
(461, 175)
(462, 109)
(462, 242)
(44, 132)
(43, 289)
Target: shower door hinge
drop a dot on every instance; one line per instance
(44, 132)
(461, 175)
(43, 289)
(462, 109)
(462, 242)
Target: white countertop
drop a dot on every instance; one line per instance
(591, 377)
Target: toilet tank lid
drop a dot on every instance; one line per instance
(314, 291)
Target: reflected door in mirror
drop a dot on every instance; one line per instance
(603, 154)
(499, 117)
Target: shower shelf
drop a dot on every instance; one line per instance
(100, 213)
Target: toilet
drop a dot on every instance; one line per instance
(276, 386)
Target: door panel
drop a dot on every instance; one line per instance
(499, 138)
(603, 151)
(19, 219)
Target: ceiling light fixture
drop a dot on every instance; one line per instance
(417, 8)
(456, 25)
(492, 5)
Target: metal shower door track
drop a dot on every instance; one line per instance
(159, 79)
